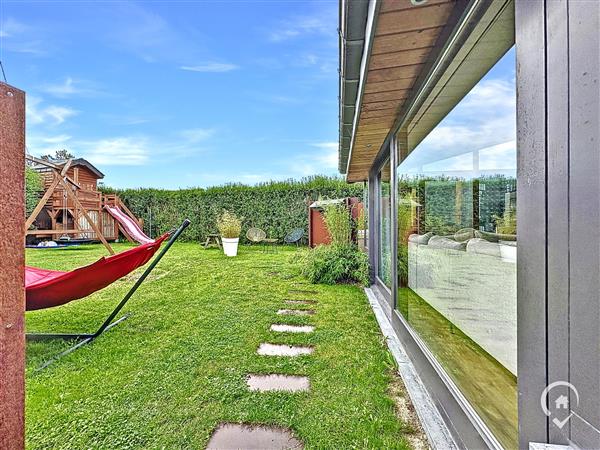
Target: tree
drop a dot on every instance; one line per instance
(59, 155)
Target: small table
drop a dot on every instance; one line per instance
(269, 242)
(213, 239)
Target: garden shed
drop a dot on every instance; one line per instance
(317, 230)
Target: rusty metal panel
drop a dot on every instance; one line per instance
(12, 261)
(318, 230)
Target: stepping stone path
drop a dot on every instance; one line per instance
(300, 302)
(283, 328)
(252, 437)
(274, 382)
(283, 350)
(295, 312)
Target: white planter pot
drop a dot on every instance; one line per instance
(230, 246)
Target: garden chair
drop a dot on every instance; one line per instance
(294, 236)
(255, 235)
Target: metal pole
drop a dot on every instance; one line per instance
(141, 279)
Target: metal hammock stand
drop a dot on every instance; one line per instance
(87, 338)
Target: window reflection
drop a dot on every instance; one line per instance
(457, 248)
(385, 224)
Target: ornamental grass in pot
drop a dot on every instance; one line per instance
(230, 227)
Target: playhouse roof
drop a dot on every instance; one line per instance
(77, 162)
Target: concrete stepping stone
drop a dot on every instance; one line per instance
(275, 382)
(252, 437)
(282, 328)
(295, 312)
(283, 350)
(301, 291)
(300, 302)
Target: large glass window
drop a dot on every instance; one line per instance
(457, 246)
(385, 224)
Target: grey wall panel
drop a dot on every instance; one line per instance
(531, 217)
(558, 212)
(584, 206)
(558, 123)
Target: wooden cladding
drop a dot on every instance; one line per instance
(405, 36)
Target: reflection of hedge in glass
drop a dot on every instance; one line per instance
(492, 199)
(385, 268)
(449, 204)
(406, 206)
(385, 261)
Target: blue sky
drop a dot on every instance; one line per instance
(177, 94)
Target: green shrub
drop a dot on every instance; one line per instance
(275, 207)
(338, 222)
(33, 189)
(229, 225)
(361, 221)
(335, 263)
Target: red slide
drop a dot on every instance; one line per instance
(129, 225)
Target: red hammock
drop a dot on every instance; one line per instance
(48, 288)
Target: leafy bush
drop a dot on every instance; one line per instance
(33, 188)
(338, 222)
(229, 225)
(335, 263)
(275, 207)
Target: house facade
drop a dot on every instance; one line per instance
(475, 126)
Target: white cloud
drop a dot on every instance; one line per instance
(329, 157)
(214, 67)
(50, 115)
(11, 27)
(278, 99)
(69, 87)
(118, 151)
(300, 26)
(20, 38)
(195, 135)
(484, 121)
(60, 139)
(40, 145)
(132, 150)
(322, 161)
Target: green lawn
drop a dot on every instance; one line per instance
(168, 375)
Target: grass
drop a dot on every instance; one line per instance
(168, 375)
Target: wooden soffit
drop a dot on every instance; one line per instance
(404, 43)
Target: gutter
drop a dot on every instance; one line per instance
(356, 18)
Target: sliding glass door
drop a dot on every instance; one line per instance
(457, 246)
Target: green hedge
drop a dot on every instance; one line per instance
(34, 186)
(276, 207)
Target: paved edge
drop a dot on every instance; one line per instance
(436, 430)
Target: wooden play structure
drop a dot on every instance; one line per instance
(72, 208)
